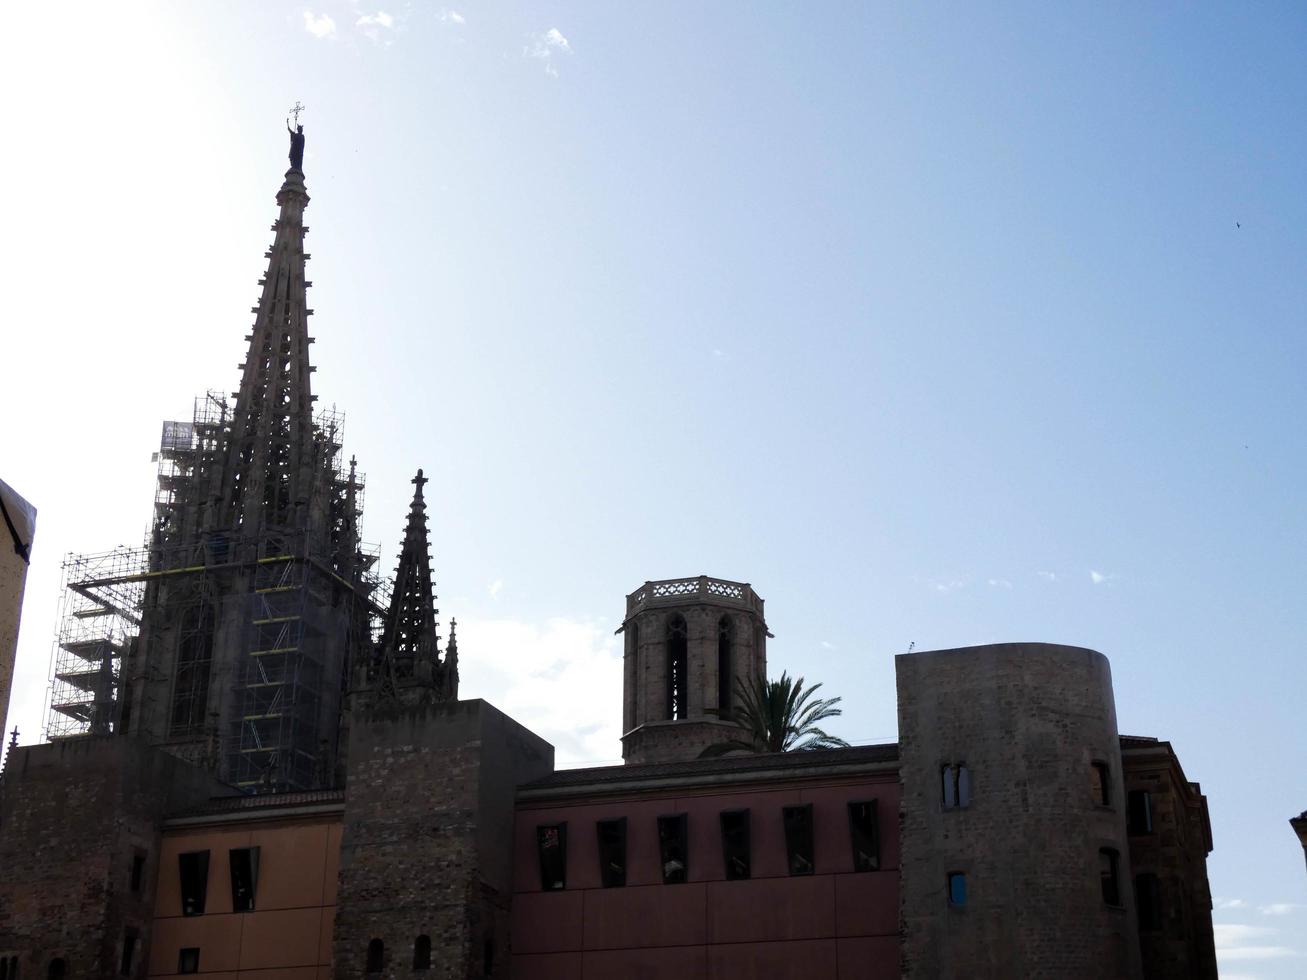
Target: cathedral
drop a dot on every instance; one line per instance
(258, 765)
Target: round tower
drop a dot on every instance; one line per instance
(688, 641)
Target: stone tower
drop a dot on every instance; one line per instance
(1015, 857)
(426, 858)
(257, 597)
(688, 641)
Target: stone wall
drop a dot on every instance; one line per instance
(73, 816)
(1173, 846)
(426, 843)
(1028, 721)
(650, 736)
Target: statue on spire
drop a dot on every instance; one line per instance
(296, 139)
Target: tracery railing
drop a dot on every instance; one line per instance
(673, 590)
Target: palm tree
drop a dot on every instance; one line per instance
(779, 716)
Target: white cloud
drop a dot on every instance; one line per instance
(562, 679)
(1000, 583)
(828, 645)
(1235, 941)
(554, 39)
(379, 19)
(1229, 903)
(1098, 578)
(1280, 908)
(452, 17)
(494, 588)
(946, 586)
(1048, 576)
(320, 27)
(545, 46)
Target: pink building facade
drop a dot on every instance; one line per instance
(790, 869)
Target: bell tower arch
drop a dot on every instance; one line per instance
(687, 641)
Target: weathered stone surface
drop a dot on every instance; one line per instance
(1028, 721)
(707, 606)
(427, 841)
(73, 815)
(1180, 944)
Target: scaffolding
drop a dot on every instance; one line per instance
(272, 619)
(99, 620)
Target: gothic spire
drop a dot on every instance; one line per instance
(408, 638)
(450, 679)
(273, 457)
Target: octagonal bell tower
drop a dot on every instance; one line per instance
(687, 641)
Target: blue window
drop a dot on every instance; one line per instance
(957, 889)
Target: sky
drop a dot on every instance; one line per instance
(939, 324)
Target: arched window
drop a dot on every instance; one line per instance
(725, 678)
(422, 953)
(58, 969)
(376, 956)
(677, 643)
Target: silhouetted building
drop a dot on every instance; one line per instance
(259, 765)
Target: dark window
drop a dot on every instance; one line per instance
(957, 889)
(244, 877)
(488, 957)
(798, 838)
(724, 676)
(955, 780)
(1099, 783)
(677, 637)
(612, 852)
(4, 967)
(58, 969)
(864, 832)
(422, 953)
(551, 841)
(1148, 896)
(1108, 864)
(1139, 812)
(195, 881)
(188, 960)
(672, 847)
(735, 844)
(129, 952)
(376, 956)
(138, 870)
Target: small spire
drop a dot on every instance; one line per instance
(408, 639)
(13, 738)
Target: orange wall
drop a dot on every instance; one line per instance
(288, 936)
(833, 923)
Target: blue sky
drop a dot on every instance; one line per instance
(938, 325)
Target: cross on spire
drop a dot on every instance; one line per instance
(295, 111)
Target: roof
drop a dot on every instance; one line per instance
(266, 802)
(726, 768)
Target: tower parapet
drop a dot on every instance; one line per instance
(688, 642)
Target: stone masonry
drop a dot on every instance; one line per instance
(74, 816)
(1028, 721)
(428, 817)
(1172, 846)
(713, 612)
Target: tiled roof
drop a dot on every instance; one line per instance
(798, 762)
(242, 803)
